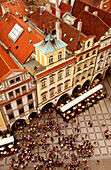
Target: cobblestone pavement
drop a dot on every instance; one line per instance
(99, 113)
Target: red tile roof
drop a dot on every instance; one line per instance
(79, 7)
(7, 65)
(92, 2)
(0, 10)
(18, 6)
(47, 19)
(25, 48)
(92, 25)
(65, 7)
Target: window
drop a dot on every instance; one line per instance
(51, 80)
(60, 55)
(51, 93)
(43, 84)
(51, 59)
(94, 52)
(59, 76)
(11, 116)
(67, 72)
(91, 62)
(85, 65)
(66, 85)
(78, 69)
(31, 106)
(17, 91)
(21, 111)
(77, 80)
(83, 76)
(29, 96)
(19, 101)
(43, 97)
(80, 58)
(101, 56)
(18, 79)
(59, 89)
(15, 33)
(89, 73)
(8, 106)
(12, 81)
(11, 94)
(87, 55)
(88, 44)
(24, 89)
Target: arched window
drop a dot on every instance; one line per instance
(51, 59)
(88, 44)
(94, 52)
(60, 55)
(80, 58)
(87, 55)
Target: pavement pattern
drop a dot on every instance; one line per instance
(99, 113)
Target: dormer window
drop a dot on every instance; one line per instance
(51, 59)
(60, 55)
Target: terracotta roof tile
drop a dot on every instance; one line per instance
(47, 19)
(25, 48)
(80, 5)
(7, 65)
(92, 25)
(18, 7)
(65, 7)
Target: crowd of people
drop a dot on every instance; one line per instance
(57, 155)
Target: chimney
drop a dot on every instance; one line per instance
(95, 13)
(86, 8)
(13, 2)
(41, 10)
(58, 30)
(101, 4)
(48, 8)
(72, 2)
(79, 25)
(57, 3)
(58, 12)
(66, 1)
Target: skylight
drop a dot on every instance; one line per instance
(26, 9)
(71, 39)
(16, 13)
(15, 33)
(64, 35)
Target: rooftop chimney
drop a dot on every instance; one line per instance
(57, 3)
(101, 4)
(58, 30)
(58, 12)
(95, 13)
(48, 8)
(41, 10)
(66, 1)
(79, 25)
(86, 8)
(13, 2)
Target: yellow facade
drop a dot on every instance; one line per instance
(2, 123)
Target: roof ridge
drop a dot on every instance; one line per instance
(5, 62)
